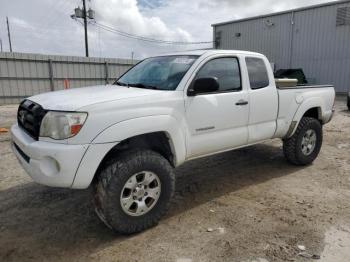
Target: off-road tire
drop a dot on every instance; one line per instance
(111, 180)
(292, 148)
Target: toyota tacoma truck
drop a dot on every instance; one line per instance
(125, 139)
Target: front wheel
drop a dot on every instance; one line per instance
(304, 146)
(133, 191)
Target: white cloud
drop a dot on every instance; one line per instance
(198, 16)
(126, 15)
(46, 27)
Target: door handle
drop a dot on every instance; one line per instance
(242, 103)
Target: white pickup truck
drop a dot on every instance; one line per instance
(125, 139)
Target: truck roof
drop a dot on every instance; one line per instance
(200, 52)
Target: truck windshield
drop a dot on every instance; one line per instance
(161, 73)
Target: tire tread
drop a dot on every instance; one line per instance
(290, 145)
(107, 183)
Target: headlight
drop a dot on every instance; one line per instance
(62, 125)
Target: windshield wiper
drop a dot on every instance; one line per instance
(120, 84)
(140, 85)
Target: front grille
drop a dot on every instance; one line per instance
(29, 117)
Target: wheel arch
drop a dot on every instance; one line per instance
(159, 142)
(312, 107)
(161, 134)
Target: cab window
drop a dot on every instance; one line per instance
(257, 72)
(226, 70)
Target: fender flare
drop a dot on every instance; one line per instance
(114, 134)
(144, 125)
(313, 102)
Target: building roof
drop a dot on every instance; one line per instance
(335, 2)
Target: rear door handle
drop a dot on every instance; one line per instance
(242, 103)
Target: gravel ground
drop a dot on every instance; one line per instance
(244, 205)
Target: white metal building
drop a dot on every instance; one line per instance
(314, 38)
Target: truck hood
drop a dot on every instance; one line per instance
(73, 99)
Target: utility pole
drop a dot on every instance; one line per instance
(8, 33)
(85, 15)
(1, 45)
(85, 29)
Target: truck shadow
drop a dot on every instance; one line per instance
(345, 112)
(56, 224)
(206, 179)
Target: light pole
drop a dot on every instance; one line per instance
(8, 33)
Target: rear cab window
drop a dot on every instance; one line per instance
(257, 72)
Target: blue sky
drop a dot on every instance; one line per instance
(150, 3)
(45, 26)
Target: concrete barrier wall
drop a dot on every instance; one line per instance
(23, 75)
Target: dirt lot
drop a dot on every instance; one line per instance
(258, 206)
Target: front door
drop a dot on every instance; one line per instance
(218, 121)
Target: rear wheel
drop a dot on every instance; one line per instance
(133, 191)
(305, 144)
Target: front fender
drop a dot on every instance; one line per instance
(144, 125)
(120, 131)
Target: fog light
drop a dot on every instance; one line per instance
(49, 166)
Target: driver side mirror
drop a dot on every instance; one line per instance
(203, 85)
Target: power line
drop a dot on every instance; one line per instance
(147, 39)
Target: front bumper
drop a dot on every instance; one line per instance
(50, 164)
